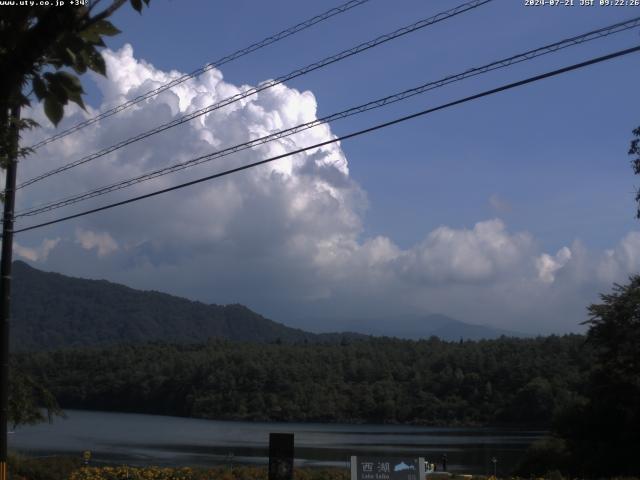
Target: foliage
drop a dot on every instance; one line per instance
(41, 45)
(634, 149)
(610, 427)
(187, 473)
(545, 455)
(28, 399)
(377, 380)
(67, 468)
(601, 431)
(615, 332)
(49, 468)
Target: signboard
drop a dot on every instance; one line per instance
(387, 468)
(280, 456)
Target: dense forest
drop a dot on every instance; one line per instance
(515, 381)
(52, 311)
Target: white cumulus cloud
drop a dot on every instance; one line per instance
(38, 253)
(285, 238)
(103, 243)
(547, 265)
(476, 255)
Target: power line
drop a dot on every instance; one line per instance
(296, 73)
(264, 86)
(521, 57)
(226, 59)
(344, 137)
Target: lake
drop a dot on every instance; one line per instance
(160, 440)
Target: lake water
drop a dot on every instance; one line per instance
(160, 440)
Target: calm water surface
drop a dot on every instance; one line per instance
(160, 440)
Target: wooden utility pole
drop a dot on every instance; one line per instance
(12, 131)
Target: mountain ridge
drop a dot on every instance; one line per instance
(416, 327)
(52, 311)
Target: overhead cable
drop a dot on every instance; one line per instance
(264, 86)
(503, 63)
(215, 64)
(379, 126)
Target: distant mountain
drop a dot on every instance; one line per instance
(416, 327)
(52, 311)
(456, 330)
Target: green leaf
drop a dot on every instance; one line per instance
(72, 87)
(98, 42)
(53, 109)
(69, 81)
(69, 56)
(104, 27)
(137, 5)
(80, 66)
(91, 36)
(39, 87)
(57, 89)
(97, 63)
(76, 97)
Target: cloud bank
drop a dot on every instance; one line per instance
(285, 238)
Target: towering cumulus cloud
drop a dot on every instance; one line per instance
(285, 238)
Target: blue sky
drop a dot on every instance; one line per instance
(547, 161)
(555, 151)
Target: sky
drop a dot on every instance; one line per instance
(516, 210)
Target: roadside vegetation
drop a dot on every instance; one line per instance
(68, 468)
(62, 468)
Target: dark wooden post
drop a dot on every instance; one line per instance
(281, 456)
(11, 124)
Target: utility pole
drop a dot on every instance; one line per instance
(13, 132)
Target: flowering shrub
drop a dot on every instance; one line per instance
(134, 473)
(187, 473)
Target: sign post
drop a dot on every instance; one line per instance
(387, 468)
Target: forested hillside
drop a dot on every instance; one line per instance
(517, 381)
(53, 311)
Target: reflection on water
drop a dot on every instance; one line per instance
(151, 439)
